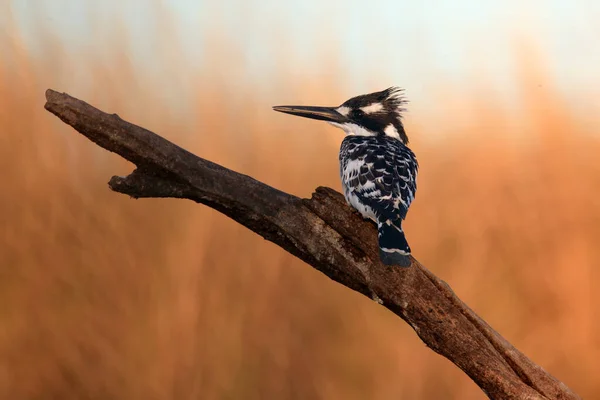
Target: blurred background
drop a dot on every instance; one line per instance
(105, 297)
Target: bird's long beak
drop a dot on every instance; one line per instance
(328, 114)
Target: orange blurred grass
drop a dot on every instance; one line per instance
(104, 297)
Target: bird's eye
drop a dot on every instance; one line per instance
(358, 113)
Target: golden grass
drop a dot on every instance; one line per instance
(104, 297)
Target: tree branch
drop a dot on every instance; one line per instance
(325, 233)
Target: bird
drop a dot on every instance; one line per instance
(378, 170)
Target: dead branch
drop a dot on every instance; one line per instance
(325, 233)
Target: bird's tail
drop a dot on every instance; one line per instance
(393, 247)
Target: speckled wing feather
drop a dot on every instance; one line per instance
(381, 172)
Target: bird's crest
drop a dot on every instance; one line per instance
(389, 100)
(394, 97)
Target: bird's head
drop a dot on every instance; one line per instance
(372, 114)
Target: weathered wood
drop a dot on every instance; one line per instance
(325, 233)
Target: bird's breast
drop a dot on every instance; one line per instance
(349, 171)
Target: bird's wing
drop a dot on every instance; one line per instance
(382, 173)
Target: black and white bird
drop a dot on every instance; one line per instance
(378, 170)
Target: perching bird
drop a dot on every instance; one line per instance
(378, 170)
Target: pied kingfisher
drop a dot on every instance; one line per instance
(378, 170)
